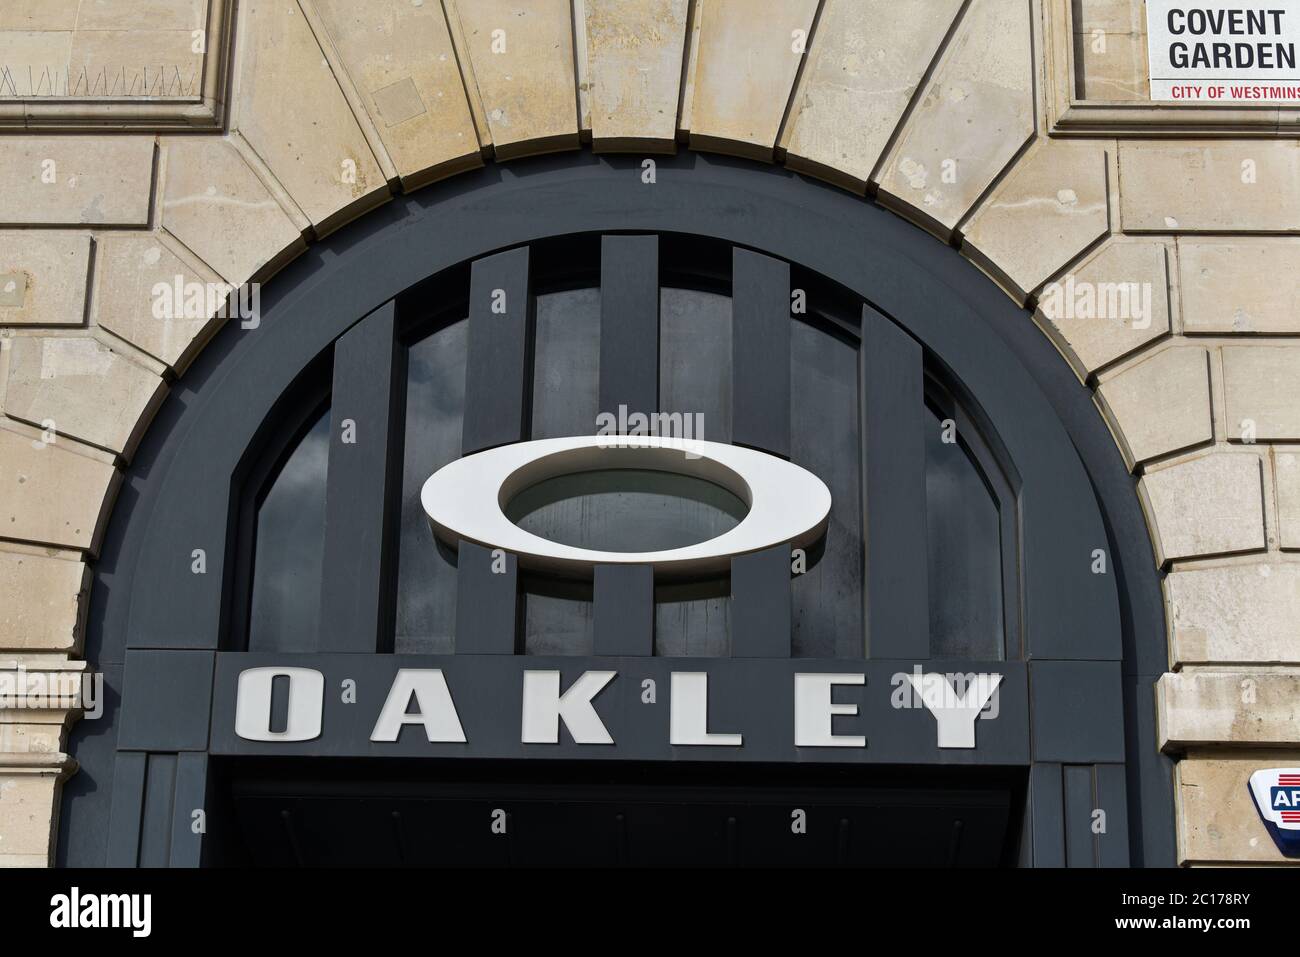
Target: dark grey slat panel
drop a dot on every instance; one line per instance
(166, 700)
(624, 598)
(498, 374)
(190, 796)
(359, 495)
(1112, 797)
(128, 802)
(1047, 809)
(760, 352)
(1080, 846)
(892, 387)
(159, 803)
(1025, 853)
(869, 253)
(1077, 708)
(760, 604)
(629, 324)
(487, 601)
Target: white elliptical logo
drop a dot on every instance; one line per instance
(786, 504)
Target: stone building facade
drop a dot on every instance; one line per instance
(1018, 131)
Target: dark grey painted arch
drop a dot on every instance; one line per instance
(177, 497)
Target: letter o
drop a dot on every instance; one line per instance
(253, 704)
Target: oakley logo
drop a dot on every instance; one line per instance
(786, 505)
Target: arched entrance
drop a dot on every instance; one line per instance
(1022, 554)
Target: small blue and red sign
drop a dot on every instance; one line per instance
(1276, 793)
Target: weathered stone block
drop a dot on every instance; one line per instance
(402, 62)
(1115, 303)
(1227, 707)
(49, 494)
(1217, 820)
(41, 601)
(975, 115)
(43, 277)
(1261, 391)
(1235, 614)
(81, 388)
(28, 808)
(76, 180)
(749, 54)
(1160, 405)
(1219, 186)
(1240, 285)
(215, 204)
(863, 68)
(1051, 207)
(1286, 479)
(137, 297)
(634, 71)
(290, 109)
(521, 68)
(1207, 506)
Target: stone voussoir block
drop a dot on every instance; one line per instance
(1235, 614)
(1052, 205)
(81, 388)
(862, 70)
(401, 59)
(634, 72)
(1110, 306)
(155, 300)
(520, 66)
(51, 494)
(41, 600)
(215, 204)
(1209, 505)
(748, 57)
(973, 117)
(289, 108)
(1160, 405)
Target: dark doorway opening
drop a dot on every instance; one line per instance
(347, 813)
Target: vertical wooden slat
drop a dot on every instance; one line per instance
(487, 601)
(498, 368)
(364, 460)
(760, 352)
(624, 598)
(629, 324)
(893, 452)
(760, 604)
